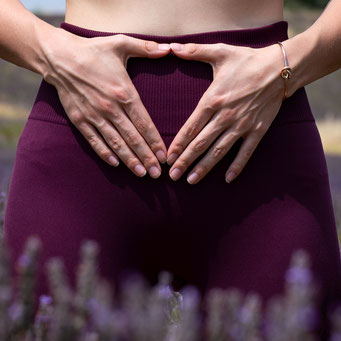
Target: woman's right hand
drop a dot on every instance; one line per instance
(100, 99)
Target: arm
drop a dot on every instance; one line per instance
(236, 105)
(23, 36)
(315, 52)
(104, 106)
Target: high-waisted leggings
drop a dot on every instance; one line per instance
(212, 234)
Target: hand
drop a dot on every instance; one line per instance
(101, 101)
(242, 101)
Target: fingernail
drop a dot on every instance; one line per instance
(176, 173)
(176, 46)
(113, 161)
(140, 170)
(193, 178)
(164, 47)
(161, 156)
(154, 172)
(172, 158)
(230, 177)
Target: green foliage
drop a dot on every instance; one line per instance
(306, 3)
(10, 131)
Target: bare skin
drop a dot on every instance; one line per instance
(106, 107)
(164, 17)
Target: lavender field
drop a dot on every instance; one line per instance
(94, 311)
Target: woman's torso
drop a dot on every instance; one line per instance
(176, 17)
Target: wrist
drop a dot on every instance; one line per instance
(51, 49)
(274, 61)
(277, 62)
(299, 50)
(42, 33)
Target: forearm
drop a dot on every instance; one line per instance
(315, 52)
(24, 38)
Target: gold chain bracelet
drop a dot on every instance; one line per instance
(286, 72)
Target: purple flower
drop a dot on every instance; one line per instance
(165, 291)
(15, 311)
(190, 297)
(93, 305)
(5, 293)
(335, 337)
(298, 275)
(24, 260)
(309, 316)
(45, 299)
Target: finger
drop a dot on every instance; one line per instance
(116, 143)
(97, 144)
(197, 147)
(203, 112)
(243, 156)
(134, 140)
(135, 47)
(213, 156)
(141, 120)
(209, 53)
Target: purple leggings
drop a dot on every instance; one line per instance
(211, 234)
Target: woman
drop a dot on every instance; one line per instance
(197, 84)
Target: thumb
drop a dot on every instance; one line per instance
(200, 52)
(135, 47)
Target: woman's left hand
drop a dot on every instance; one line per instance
(242, 101)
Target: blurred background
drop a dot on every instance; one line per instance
(18, 88)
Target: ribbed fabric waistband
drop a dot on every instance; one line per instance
(171, 87)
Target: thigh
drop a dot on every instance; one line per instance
(62, 192)
(281, 202)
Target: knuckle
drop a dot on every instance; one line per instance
(234, 135)
(149, 45)
(183, 164)
(260, 130)
(236, 132)
(225, 118)
(123, 95)
(103, 153)
(244, 123)
(77, 118)
(115, 142)
(104, 105)
(177, 147)
(248, 153)
(215, 102)
(93, 140)
(218, 152)
(200, 145)
(141, 125)
(192, 47)
(148, 161)
(201, 169)
(116, 117)
(191, 131)
(132, 140)
(99, 122)
(220, 50)
(119, 40)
